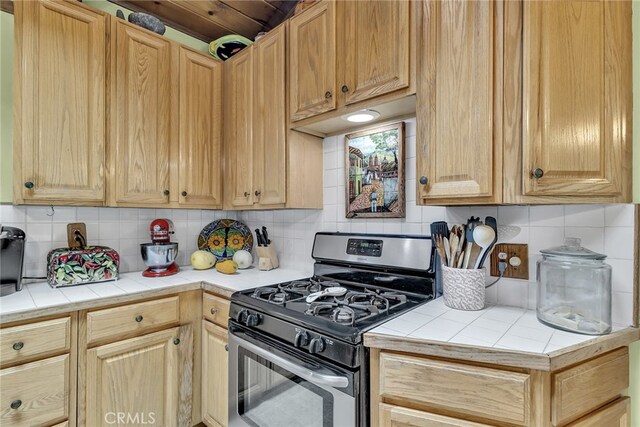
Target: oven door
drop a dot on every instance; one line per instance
(272, 386)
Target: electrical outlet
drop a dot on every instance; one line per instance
(516, 255)
(73, 230)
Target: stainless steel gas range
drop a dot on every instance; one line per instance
(296, 356)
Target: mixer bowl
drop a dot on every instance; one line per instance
(159, 256)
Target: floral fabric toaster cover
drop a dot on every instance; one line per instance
(89, 264)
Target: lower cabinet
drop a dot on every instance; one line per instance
(35, 393)
(134, 381)
(416, 390)
(215, 363)
(38, 372)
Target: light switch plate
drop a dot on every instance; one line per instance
(513, 252)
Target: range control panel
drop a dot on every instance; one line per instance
(366, 247)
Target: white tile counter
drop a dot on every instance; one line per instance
(436, 329)
(40, 299)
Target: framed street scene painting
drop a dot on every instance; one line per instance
(375, 172)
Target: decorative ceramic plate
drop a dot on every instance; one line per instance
(224, 237)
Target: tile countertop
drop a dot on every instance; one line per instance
(39, 299)
(503, 335)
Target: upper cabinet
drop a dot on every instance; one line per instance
(200, 123)
(143, 121)
(312, 61)
(374, 57)
(525, 102)
(165, 149)
(263, 161)
(59, 103)
(458, 135)
(377, 46)
(576, 98)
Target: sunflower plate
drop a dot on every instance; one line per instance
(225, 237)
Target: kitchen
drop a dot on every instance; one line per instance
(603, 228)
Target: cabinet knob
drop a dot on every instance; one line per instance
(226, 347)
(246, 194)
(423, 180)
(139, 318)
(344, 88)
(257, 193)
(328, 94)
(29, 185)
(16, 404)
(165, 192)
(537, 173)
(184, 194)
(18, 346)
(176, 341)
(213, 311)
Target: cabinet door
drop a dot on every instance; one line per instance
(616, 414)
(215, 362)
(577, 98)
(200, 130)
(59, 103)
(377, 48)
(239, 99)
(459, 150)
(270, 135)
(143, 118)
(137, 377)
(312, 66)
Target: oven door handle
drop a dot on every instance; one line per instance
(316, 377)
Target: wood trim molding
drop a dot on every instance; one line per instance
(636, 268)
(6, 6)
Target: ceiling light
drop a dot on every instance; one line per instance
(361, 116)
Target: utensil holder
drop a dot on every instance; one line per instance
(463, 289)
(268, 259)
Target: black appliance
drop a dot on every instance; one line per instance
(11, 259)
(299, 363)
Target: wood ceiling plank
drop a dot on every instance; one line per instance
(6, 6)
(258, 10)
(223, 15)
(178, 17)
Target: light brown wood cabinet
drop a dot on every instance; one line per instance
(166, 150)
(200, 121)
(215, 360)
(137, 378)
(256, 129)
(38, 372)
(139, 360)
(215, 366)
(59, 103)
(143, 117)
(459, 143)
(262, 158)
(343, 53)
(528, 104)
(411, 390)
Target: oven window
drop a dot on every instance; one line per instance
(270, 396)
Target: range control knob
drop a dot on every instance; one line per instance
(253, 319)
(316, 346)
(242, 316)
(302, 338)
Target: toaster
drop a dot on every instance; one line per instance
(83, 265)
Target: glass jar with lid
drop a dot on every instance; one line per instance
(574, 289)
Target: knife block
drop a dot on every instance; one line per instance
(267, 258)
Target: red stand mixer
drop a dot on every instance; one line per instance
(161, 253)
